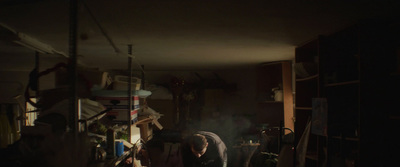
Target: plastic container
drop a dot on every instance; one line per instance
(121, 83)
(119, 148)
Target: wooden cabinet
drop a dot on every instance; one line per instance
(340, 77)
(274, 93)
(358, 75)
(307, 87)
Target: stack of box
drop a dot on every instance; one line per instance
(120, 106)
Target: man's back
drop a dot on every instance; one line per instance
(215, 155)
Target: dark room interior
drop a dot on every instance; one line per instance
(100, 83)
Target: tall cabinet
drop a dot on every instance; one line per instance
(357, 71)
(307, 86)
(275, 98)
(358, 76)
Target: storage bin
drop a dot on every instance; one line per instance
(121, 83)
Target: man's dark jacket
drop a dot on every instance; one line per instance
(215, 155)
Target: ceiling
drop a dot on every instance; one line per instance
(177, 34)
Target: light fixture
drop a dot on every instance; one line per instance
(34, 44)
(29, 42)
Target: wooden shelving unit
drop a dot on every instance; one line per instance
(306, 88)
(362, 58)
(357, 66)
(269, 76)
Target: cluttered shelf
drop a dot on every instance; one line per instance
(103, 159)
(112, 162)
